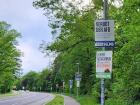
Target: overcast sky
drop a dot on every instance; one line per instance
(33, 26)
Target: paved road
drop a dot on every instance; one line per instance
(27, 98)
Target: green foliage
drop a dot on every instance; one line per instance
(9, 57)
(116, 102)
(29, 80)
(86, 100)
(34, 81)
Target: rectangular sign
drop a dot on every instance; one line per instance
(78, 83)
(71, 83)
(103, 64)
(78, 76)
(104, 33)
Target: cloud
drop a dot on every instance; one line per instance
(33, 59)
(33, 27)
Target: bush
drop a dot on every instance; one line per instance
(87, 100)
(113, 101)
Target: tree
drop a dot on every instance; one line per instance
(9, 56)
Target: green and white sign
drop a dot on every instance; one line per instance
(103, 64)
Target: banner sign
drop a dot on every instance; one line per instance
(104, 33)
(103, 64)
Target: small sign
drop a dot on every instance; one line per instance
(71, 83)
(78, 76)
(63, 84)
(78, 83)
(104, 33)
(103, 64)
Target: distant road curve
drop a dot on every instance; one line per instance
(27, 98)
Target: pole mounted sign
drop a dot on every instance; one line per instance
(104, 33)
(103, 64)
(78, 76)
(71, 83)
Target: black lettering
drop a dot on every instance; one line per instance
(105, 29)
(99, 29)
(108, 29)
(105, 24)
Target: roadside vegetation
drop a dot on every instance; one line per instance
(58, 100)
(86, 100)
(12, 93)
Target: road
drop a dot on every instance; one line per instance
(27, 98)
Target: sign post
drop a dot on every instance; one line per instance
(78, 76)
(104, 37)
(63, 87)
(71, 84)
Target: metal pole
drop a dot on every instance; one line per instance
(77, 81)
(77, 92)
(63, 87)
(105, 16)
(102, 92)
(78, 68)
(105, 10)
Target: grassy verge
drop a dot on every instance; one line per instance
(58, 100)
(86, 100)
(8, 94)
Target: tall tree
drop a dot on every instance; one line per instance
(10, 62)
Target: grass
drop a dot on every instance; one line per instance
(58, 100)
(8, 94)
(86, 100)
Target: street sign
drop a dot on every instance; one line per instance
(104, 33)
(78, 83)
(70, 83)
(103, 64)
(78, 76)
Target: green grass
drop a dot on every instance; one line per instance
(58, 100)
(8, 94)
(86, 100)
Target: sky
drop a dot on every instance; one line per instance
(33, 26)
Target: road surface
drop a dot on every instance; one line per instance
(27, 98)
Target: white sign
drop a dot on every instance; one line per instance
(71, 83)
(103, 64)
(104, 33)
(78, 83)
(78, 76)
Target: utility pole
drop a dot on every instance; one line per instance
(78, 67)
(104, 37)
(105, 13)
